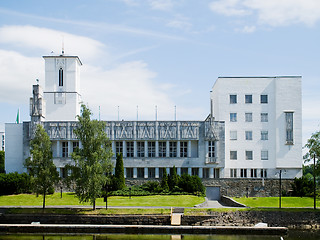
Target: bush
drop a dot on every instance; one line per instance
(302, 187)
(14, 183)
(2, 157)
(191, 184)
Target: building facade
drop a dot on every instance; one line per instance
(253, 130)
(2, 139)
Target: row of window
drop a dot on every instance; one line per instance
(65, 148)
(249, 135)
(248, 98)
(151, 149)
(249, 155)
(248, 173)
(248, 117)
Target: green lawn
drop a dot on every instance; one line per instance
(286, 202)
(70, 199)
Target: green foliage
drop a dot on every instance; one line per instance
(313, 144)
(164, 181)
(14, 183)
(302, 187)
(173, 179)
(191, 184)
(92, 160)
(2, 157)
(119, 173)
(41, 168)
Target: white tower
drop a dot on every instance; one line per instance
(62, 87)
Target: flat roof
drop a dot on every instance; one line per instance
(265, 77)
(63, 56)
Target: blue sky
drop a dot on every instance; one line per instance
(162, 53)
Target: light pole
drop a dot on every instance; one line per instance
(280, 187)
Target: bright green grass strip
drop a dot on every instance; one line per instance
(69, 199)
(273, 202)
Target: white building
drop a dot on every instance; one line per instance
(263, 122)
(261, 109)
(2, 143)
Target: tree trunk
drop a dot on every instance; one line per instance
(94, 204)
(44, 200)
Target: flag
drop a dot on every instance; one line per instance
(17, 120)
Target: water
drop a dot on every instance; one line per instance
(293, 235)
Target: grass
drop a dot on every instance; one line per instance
(69, 199)
(273, 202)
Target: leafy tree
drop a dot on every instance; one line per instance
(164, 181)
(2, 156)
(41, 168)
(173, 179)
(92, 160)
(313, 144)
(191, 184)
(119, 172)
(302, 187)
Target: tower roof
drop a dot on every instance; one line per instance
(64, 56)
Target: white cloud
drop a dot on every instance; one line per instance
(271, 12)
(247, 29)
(163, 5)
(180, 22)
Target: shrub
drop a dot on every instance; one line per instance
(2, 157)
(14, 183)
(302, 187)
(191, 184)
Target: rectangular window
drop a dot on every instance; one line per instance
(249, 155)
(254, 173)
(233, 135)
(129, 172)
(151, 149)
(248, 117)
(233, 117)
(211, 149)
(162, 149)
(75, 146)
(264, 98)
(140, 149)
(289, 128)
(184, 171)
(140, 172)
(264, 135)
(205, 173)
(233, 99)
(248, 135)
(151, 172)
(233, 155)
(243, 173)
(263, 173)
(173, 149)
(233, 173)
(183, 149)
(161, 171)
(264, 155)
(248, 98)
(264, 117)
(119, 148)
(130, 149)
(195, 171)
(64, 149)
(60, 77)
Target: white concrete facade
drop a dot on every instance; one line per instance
(254, 110)
(2, 139)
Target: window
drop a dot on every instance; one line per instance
(161, 172)
(249, 155)
(162, 149)
(289, 128)
(264, 155)
(173, 149)
(60, 77)
(248, 117)
(63, 172)
(119, 148)
(151, 149)
(264, 117)
(75, 146)
(233, 99)
(264, 135)
(140, 149)
(233, 155)
(233, 173)
(183, 149)
(64, 149)
(243, 173)
(195, 171)
(151, 172)
(205, 173)
(248, 135)
(129, 172)
(263, 98)
(233, 135)
(130, 149)
(140, 172)
(184, 171)
(211, 149)
(263, 173)
(233, 117)
(254, 173)
(248, 98)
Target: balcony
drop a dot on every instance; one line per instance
(212, 160)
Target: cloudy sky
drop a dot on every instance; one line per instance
(162, 53)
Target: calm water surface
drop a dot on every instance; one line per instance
(292, 235)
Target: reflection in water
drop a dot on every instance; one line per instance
(293, 235)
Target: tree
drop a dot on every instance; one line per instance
(41, 168)
(2, 157)
(313, 144)
(164, 181)
(173, 179)
(92, 159)
(119, 172)
(302, 187)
